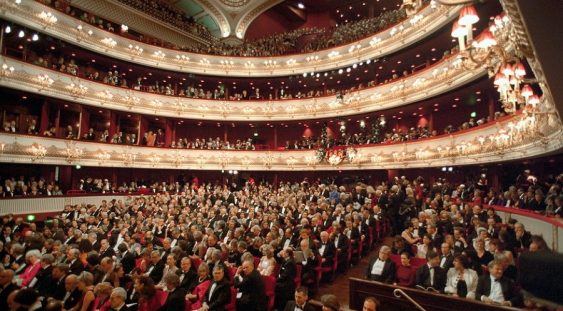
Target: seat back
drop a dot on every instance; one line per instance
(270, 289)
(232, 306)
(297, 279)
(417, 262)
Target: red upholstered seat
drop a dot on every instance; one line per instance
(326, 269)
(232, 306)
(270, 289)
(256, 261)
(416, 262)
(396, 259)
(196, 261)
(297, 279)
(161, 295)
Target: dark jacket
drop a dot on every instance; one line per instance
(220, 297)
(175, 301)
(251, 288)
(290, 306)
(387, 274)
(423, 277)
(507, 285)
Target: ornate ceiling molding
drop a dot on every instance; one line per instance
(92, 38)
(216, 11)
(515, 137)
(442, 77)
(244, 20)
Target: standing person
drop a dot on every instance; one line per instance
(251, 288)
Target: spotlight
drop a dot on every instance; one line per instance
(21, 34)
(444, 169)
(340, 71)
(35, 37)
(301, 6)
(8, 29)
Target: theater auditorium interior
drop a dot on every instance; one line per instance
(289, 155)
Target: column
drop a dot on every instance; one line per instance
(44, 118)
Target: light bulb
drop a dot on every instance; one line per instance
(8, 29)
(21, 34)
(35, 37)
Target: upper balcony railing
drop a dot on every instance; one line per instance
(522, 135)
(446, 75)
(70, 29)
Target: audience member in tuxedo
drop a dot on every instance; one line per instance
(84, 284)
(381, 268)
(44, 277)
(308, 273)
(250, 287)
(188, 275)
(175, 300)
(495, 288)
(301, 302)
(461, 281)
(73, 259)
(326, 250)
(102, 292)
(57, 289)
(73, 294)
(7, 286)
(117, 299)
(509, 268)
(28, 299)
(156, 268)
(106, 266)
(285, 284)
(430, 274)
(105, 249)
(203, 283)
(523, 237)
(17, 258)
(446, 257)
(218, 296)
(93, 266)
(330, 302)
(148, 300)
(127, 258)
(341, 244)
(405, 274)
(370, 304)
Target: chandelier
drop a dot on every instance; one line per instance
(48, 18)
(77, 89)
(177, 158)
(72, 152)
(128, 157)
(135, 49)
(154, 159)
(38, 151)
(109, 42)
(489, 50)
(45, 81)
(103, 156)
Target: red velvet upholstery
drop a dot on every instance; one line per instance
(270, 289)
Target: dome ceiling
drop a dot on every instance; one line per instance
(232, 18)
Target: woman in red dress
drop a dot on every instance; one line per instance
(405, 274)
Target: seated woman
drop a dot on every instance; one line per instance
(483, 257)
(195, 298)
(170, 267)
(218, 295)
(84, 285)
(425, 246)
(405, 274)
(267, 262)
(148, 300)
(461, 281)
(102, 291)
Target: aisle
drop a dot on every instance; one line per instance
(340, 286)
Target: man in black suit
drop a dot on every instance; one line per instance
(6, 287)
(218, 295)
(250, 288)
(301, 301)
(57, 288)
(117, 299)
(188, 276)
(105, 249)
(341, 244)
(156, 268)
(446, 257)
(430, 274)
(285, 282)
(326, 250)
(44, 277)
(381, 268)
(72, 294)
(175, 300)
(128, 259)
(495, 288)
(74, 263)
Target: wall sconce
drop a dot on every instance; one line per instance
(48, 18)
(38, 151)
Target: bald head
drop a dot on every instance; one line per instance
(6, 277)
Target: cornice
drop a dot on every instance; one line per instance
(516, 137)
(446, 75)
(390, 40)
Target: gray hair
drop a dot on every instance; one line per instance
(34, 252)
(119, 292)
(48, 259)
(86, 277)
(17, 249)
(172, 278)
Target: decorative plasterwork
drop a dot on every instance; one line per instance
(512, 138)
(220, 16)
(442, 77)
(69, 29)
(245, 18)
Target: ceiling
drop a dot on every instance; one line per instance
(232, 18)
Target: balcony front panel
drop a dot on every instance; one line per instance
(442, 77)
(514, 137)
(393, 39)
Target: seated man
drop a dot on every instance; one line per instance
(495, 288)
(431, 275)
(300, 302)
(381, 268)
